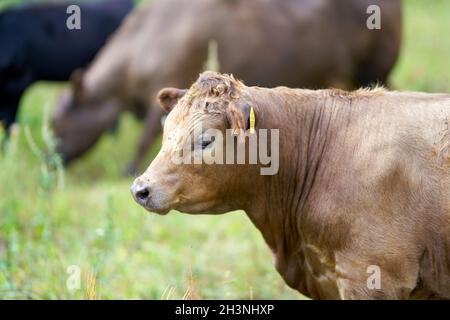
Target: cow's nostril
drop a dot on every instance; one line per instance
(142, 194)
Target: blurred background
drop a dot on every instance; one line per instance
(53, 217)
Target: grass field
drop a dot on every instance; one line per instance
(51, 219)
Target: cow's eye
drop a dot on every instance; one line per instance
(207, 142)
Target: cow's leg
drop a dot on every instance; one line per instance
(8, 116)
(7, 119)
(152, 127)
(9, 105)
(376, 68)
(10, 98)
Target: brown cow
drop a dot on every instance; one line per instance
(363, 184)
(297, 43)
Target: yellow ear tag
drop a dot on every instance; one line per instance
(252, 121)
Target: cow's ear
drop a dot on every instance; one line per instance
(168, 97)
(241, 116)
(76, 79)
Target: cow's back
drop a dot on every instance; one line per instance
(264, 43)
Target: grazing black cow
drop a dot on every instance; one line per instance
(37, 45)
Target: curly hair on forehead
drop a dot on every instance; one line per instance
(211, 83)
(223, 87)
(223, 92)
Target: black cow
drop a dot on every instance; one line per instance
(36, 44)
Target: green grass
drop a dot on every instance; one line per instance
(424, 63)
(85, 216)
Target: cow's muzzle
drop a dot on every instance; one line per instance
(150, 199)
(141, 194)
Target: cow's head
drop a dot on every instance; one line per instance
(187, 174)
(80, 119)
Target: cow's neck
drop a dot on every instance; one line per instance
(105, 78)
(280, 209)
